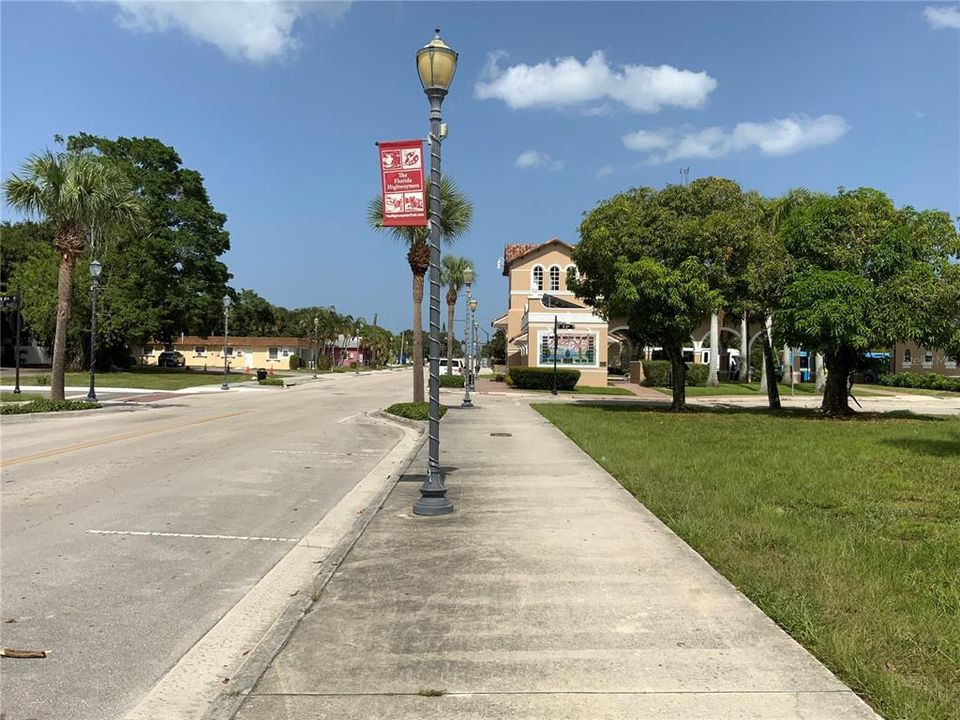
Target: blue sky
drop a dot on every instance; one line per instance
(554, 106)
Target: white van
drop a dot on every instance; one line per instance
(456, 365)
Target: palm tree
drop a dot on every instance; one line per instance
(74, 192)
(451, 275)
(456, 214)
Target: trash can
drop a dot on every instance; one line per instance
(261, 374)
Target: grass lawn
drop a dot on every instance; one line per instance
(22, 397)
(150, 379)
(846, 533)
(942, 394)
(733, 388)
(579, 390)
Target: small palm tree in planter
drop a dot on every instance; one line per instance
(74, 192)
(456, 214)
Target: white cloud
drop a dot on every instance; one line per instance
(532, 159)
(567, 82)
(777, 137)
(942, 17)
(604, 171)
(255, 31)
(919, 115)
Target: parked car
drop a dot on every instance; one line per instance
(456, 366)
(171, 358)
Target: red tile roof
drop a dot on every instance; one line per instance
(519, 250)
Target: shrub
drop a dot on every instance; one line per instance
(659, 373)
(451, 381)
(272, 381)
(697, 374)
(414, 411)
(529, 378)
(499, 377)
(929, 381)
(44, 405)
(42, 379)
(324, 363)
(295, 362)
(353, 365)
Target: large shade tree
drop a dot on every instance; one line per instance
(451, 274)
(867, 275)
(75, 192)
(456, 215)
(664, 259)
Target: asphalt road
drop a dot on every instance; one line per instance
(258, 468)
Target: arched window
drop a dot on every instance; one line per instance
(572, 273)
(907, 357)
(928, 358)
(554, 278)
(537, 278)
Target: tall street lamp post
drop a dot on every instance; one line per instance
(436, 65)
(95, 269)
(473, 344)
(467, 326)
(16, 347)
(227, 302)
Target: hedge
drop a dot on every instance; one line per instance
(929, 381)
(659, 373)
(44, 405)
(528, 378)
(451, 381)
(295, 362)
(274, 381)
(414, 411)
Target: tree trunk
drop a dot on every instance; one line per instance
(839, 366)
(64, 291)
(418, 338)
(679, 378)
(821, 376)
(769, 372)
(450, 309)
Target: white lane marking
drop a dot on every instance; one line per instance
(191, 535)
(322, 452)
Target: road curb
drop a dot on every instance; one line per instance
(231, 696)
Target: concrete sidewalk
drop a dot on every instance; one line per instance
(550, 593)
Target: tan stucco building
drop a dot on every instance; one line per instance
(910, 357)
(538, 295)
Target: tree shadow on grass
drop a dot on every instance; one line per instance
(621, 406)
(921, 446)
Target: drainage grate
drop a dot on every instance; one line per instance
(501, 434)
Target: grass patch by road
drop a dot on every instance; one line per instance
(846, 533)
(734, 388)
(148, 378)
(42, 405)
(580, 390)
(942, 394)
(22, 397)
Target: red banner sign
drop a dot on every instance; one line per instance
(401, 172)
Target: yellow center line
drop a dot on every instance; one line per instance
(113, 438)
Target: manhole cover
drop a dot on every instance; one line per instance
(501, 434)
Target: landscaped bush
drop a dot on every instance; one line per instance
(499, 377)
(659, 373)
(324, 363)
(44, 405)
(929, 381)
(414, 411)
(451, 381)
(528, 378)
(296, 362)
(697, 374)
(272, 381)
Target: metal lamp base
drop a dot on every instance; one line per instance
(466, 403)
(224, 387)
(90, 397)
(432, 505)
